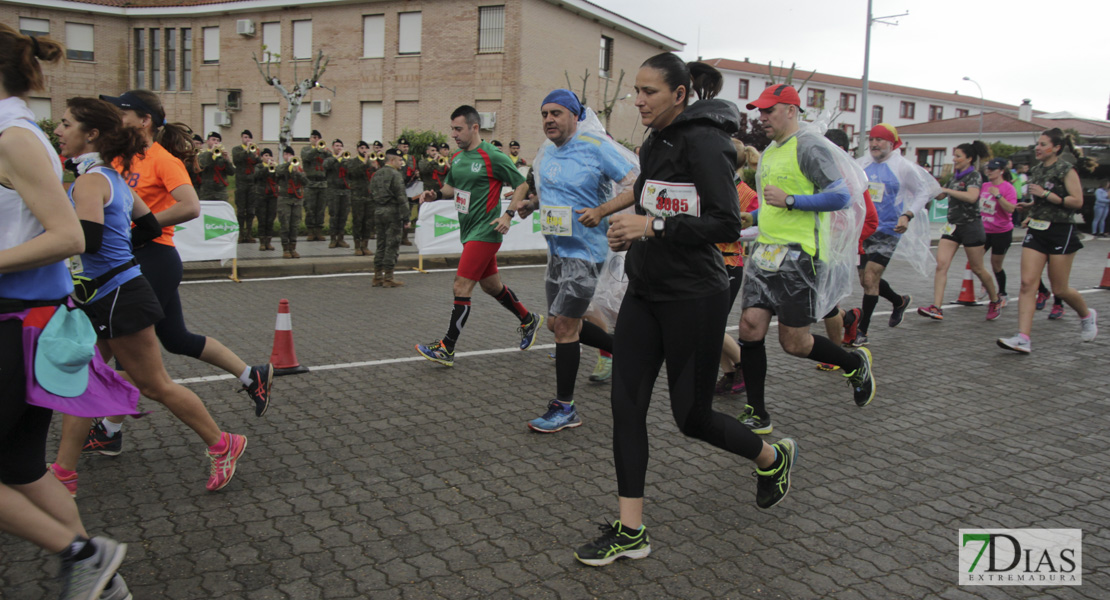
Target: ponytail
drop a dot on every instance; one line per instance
(115, 140)
(176, 138)
(1083, 164)
(20, 71)
(696, 77)
(977, 151)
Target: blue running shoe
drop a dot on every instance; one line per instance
(559, 416)
(437, 352)
(529, 332)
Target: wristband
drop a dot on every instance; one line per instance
(909, 216)
(439, 194)
(643, 238)
(1046, 195)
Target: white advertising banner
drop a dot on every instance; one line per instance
(211, 236)
(437, 230)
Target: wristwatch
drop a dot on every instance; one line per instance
(790, 203)
(658, 225)
(511, 213)
(909, 216)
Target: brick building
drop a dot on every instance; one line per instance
(393, 64)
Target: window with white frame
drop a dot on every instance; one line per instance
(155, 58)
(936, 113)
(34, 27)
(408, 39)
(186, 59)
(302, 125)
(271, 121)
(848, 102)
(79, 41)
(491, 29)
(271, 42)
(907, 110)
(140, 58)
(815, 98)
(302, 40)
(211, 45)
(171, 59)
(876, 115)
(742, 93)
(605, 63)
(209, 112)
(371, 121)
(373, 36)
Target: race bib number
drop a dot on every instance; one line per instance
(556, 220)
(666, 199)
(949, 229)
(76, 267)
(1038, 224)
(989, 205)
(462, 202)
(769, 257)
(877, 189)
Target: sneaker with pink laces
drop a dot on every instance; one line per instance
(223, 465)
(70, 481)
(993, 310)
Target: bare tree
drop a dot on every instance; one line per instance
(609, 102)
(585, 79)
(293, 96)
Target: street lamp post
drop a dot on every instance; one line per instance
(864, 116)
(982, 104)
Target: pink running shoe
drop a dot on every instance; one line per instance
(223, 465)
(993, 310)
(738, 385)
(70, 482)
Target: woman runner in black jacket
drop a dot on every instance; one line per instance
(677, 301)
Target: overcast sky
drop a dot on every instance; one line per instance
(1055, 53)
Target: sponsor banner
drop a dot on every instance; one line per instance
(437, 230)
(1033, 557)
(211, 236)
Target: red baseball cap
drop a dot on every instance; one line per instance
(776, 94)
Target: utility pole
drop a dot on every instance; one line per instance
(864, 113)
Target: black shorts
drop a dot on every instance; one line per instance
(999, 243)
(130, 308)
(878, 249)
(1059, 238)
(570, 284)
(969, 235)
(23, 427)
(790, 292)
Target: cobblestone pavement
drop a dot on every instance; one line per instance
(398, 478)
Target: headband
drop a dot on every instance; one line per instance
(566, 98)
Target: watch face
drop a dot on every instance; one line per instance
(657, 224)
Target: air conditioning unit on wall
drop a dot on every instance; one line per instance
(244, 27)
(488, 120)
(230, 100)
(321, 107)
(223, 119)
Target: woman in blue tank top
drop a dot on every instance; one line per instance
(111, 289)
(37, 232)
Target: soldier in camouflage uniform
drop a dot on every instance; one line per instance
(338, 194)
(291, 181)
(312, 161)
(264, 190)
(246, 162)
(214, 170)
(359, 174)
(391, 213)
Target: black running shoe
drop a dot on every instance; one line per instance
(772, 485)
(98, 441)
(259, 389)
(899, 311)
(615, 542)
(862, 379)
(529, 332)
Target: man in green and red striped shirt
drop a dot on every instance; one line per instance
(479, 174)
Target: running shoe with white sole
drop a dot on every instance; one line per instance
(773, 484)
(223, 465)
(603, 370)
(1088, 327)
(1017, 343)
(100, 442)
(558, 417)
(758, 425)
(262, 377)
(994, 309)
(70, 481)
(932, 311)
(862, 379)
(86, 579)
(116, 590)
(437, 353)
(615, 542)
(1057, 312)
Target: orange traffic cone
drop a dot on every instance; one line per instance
(284, 356)
(967, 290)
(1105, 283)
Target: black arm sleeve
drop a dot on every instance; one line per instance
(94, 236)
(146, 229)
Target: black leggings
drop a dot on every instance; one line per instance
(687, 335)
(23, 427)
(161, 266)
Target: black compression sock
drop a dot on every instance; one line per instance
(889, 294)
(753, 364)
(824, 350)
(1041, 288)
(460, 310)
(567, 357)
(1056, 301)
(1000, 277)
(596, 337)
(869, 304)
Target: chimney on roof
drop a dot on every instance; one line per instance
(1025, 111)
(746, 59)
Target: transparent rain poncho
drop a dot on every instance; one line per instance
(583, 173)
(822, 258)
(913, 187)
